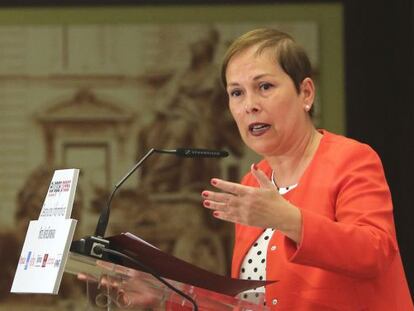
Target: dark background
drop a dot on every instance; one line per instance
(379, 62)
(379, 68)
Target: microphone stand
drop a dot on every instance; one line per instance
(104, 217)
(92, 245)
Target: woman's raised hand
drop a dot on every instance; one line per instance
(259, 207)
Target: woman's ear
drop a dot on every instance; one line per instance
(307, 91)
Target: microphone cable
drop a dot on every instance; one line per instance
(150, 271)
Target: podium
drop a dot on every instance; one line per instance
(110, 286)
(120, 272)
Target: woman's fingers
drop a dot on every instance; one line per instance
(86, 277)
(229, 187)
(219, 201)
(261, 177)
(240, 190)
(220, 197)
(217, 206)
(240, 203)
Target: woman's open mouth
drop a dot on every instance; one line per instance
(257, 129)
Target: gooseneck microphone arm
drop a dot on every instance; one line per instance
(104, 217)
(180, 152)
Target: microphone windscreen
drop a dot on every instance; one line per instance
(200, 153)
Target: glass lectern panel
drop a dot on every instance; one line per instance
(114, 287)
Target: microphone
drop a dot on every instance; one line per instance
(90, 245)
(196, 153)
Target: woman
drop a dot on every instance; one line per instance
(316, 212)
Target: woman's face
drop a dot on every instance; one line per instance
(270, 114)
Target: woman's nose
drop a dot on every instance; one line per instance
(252, 104)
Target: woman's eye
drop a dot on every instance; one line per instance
(265, 86)
(235, 93)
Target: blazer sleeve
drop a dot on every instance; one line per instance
(360, 239)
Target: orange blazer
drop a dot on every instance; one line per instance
(348, 258)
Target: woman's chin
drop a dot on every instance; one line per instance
(261, 148)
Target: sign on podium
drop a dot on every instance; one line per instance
(48, 239)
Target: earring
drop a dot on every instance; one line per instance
(307, 107)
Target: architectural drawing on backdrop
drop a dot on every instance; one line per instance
(98, 97)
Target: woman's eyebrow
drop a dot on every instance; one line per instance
(261, 76)
(254, 78)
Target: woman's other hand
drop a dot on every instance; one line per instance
(126, 288)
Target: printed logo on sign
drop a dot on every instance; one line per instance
(45, 260)
(58, 186)
(27, 260)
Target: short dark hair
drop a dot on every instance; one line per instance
(290, 55)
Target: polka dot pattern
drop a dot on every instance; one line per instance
(254, 264)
